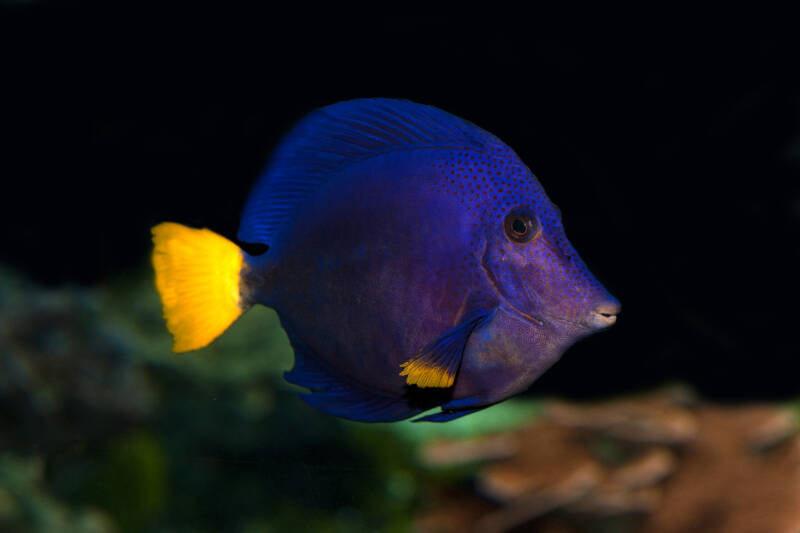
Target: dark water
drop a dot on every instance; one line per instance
(674, 157)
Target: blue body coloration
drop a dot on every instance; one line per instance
(398, 232)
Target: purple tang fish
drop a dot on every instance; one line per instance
(413, 259)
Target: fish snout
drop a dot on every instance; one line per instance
(604, 314)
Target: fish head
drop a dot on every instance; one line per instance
(548, 298)
(538, 273)
(535, 269)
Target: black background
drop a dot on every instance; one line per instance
(673, 153)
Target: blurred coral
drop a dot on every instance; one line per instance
(663, 462)
(65, 376)
(126, 435)
(25, 505)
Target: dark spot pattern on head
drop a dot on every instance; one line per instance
(489, 185)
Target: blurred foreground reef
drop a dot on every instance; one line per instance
(104, 429)
(660, 463)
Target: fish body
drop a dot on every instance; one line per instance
(414, 262)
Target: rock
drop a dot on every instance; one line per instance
(660, 463)
(722, 485)
(442, 453)
(650, 420)
(650, 468)
(551, 465)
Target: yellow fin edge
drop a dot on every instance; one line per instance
(424, 374)
(197, 277)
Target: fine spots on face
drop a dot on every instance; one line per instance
(488, 183)
(491, 184)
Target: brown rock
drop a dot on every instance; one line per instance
(655, 419)
(443, 453)
(550, 470)
(629, 488)
(723, 486)
(551, 462)
(654, 464)
(650, 468)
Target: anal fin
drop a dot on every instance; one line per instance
(455, 409)
(445, 416)
(339, 397)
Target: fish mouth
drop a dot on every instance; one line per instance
(601, 320)
(551, 320)
(604, 313)
(568, 329)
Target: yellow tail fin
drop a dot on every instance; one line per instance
(197, 277)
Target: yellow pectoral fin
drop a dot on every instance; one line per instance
(425, 374)
(436, 364)
(197, 276)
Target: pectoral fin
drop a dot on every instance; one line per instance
(437, 363)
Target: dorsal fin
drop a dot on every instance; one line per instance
(335, 136)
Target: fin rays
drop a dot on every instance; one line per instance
(339, 135)
(334, 395)
(437, 363)
(197, 277)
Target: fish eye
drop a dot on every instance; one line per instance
(520, 226)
